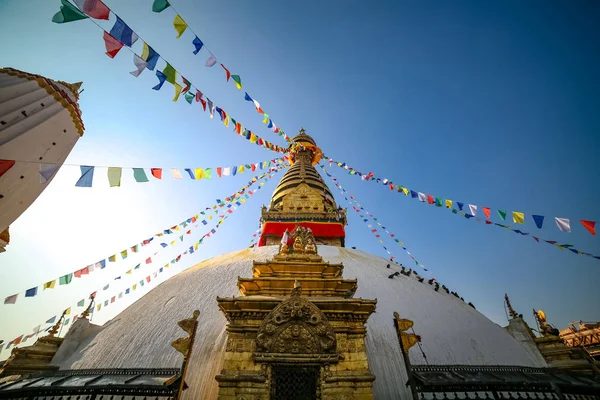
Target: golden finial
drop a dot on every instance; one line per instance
(545, 328)
(511, 312)
(87, 311)
(56, 327)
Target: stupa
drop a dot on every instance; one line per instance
(302, 317)
(40, 122)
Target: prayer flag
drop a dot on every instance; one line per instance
(211, 61)
(266, 119)
(94, 8)
(124, 254)
(190, 173)
(448, 203)
(438, 202)
(208, 173)
(486, 211)
(68, 311)
(87, 176)
(589, 225)
(199, 173)
(148, 260)
(5, 165)
(156, 172)
(112, 299)
(473, 209)
(114, 176)
(68, 13)
(518, 217)
(47, 171)
(226, 171)
(176, 173)
(197, 44)
(460, 205)
(65, 280)
(50, 285)
(502, 214)
(161, 80)
(179, 25)
(123, 33)
(11, 299)
(563, 224)
(112, 45)
(140, 65)
(539, 220)
(422, 197)
(112, 258)
(139, 175)
(237, 80)
(81, 303)
(102, 264)
(227, 73)
(170, 73)
(177, 91)
(160, 5)
(189, 97)
(51, 320)
(150, 56)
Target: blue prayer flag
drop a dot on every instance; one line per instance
(163, 245)
(197, 44)
(123, 33)
(87, 176)
(413, 194)
(189, 171)
(161, 80)
(31, 292)
(460, 205)
(539, 220)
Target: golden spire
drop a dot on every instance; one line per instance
(511, 312)
(56, 327)
(87, 311)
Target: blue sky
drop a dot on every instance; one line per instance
(487, 103)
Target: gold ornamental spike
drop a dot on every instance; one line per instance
(182, 345)
(409, 340)
(403, 324)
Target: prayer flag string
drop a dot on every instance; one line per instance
(111, 299)
(180, 26)
(238, 198)
(122, 35)
(563, 224)
(357, 208)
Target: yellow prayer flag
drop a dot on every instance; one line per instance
(124, 254)
(134, 286)
(98, 307)
(128, 272)
(241, 169)
(518, 217)
(199, 173)
(226, 121)
(209, 217)
(448, 203)
(177, 91)
(173, 242)
(405, 190)
(196, 246)
(68, 311)
(237, 85)
(179, 25)
(253, 138)
(266, 120)
(49, 285)
(243, 200)
(112, 258)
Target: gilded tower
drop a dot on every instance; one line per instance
(302, 198)
(296, 331)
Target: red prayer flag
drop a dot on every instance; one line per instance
(94, 8)
(93, 295)
(112, 299)
(590, 226)
(5, 165)
(430, 199)
(112, 45)
(156, 172)
(536, 239)
(227, 72)
(392, 187)
(85, 271)
(148, 260)
(488, 222)
(77, 274)
(148, 279)
(253, 166)
(17, 340)
(198, 95)
(486, 211)
(219, 173)
(203, 104)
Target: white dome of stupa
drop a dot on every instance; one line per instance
(452, 331)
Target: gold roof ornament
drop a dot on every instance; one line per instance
(545, 328)
(52, 332)
(87, 311)
(408, 340)
(511, 311)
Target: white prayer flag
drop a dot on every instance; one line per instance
(422, 197)
(473, 209)
(140, 64)
(564, 225)
(47, 171)
(226, 171)
(176, 173)
(211, 61)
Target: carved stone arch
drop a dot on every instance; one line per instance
(296, 327)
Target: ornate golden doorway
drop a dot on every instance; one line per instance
(294, 382)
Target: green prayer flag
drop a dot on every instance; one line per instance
(137, 266)
(65, 280)
(238, 81)
(502, 214)
(160, 5)
(170, 73)
(114, 176)
(438, 202)
(207, 173)
(189, 97)
(68, 13)
(139, 175)
(81, 303)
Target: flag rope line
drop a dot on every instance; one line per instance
(68, 278)
(266, 144)
(563, 224)
(195, 246)
(247, 97)
(365, 220)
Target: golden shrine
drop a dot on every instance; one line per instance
(297, 331)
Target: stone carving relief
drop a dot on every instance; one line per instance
(296, 326)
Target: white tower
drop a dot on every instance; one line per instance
(40, 122)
